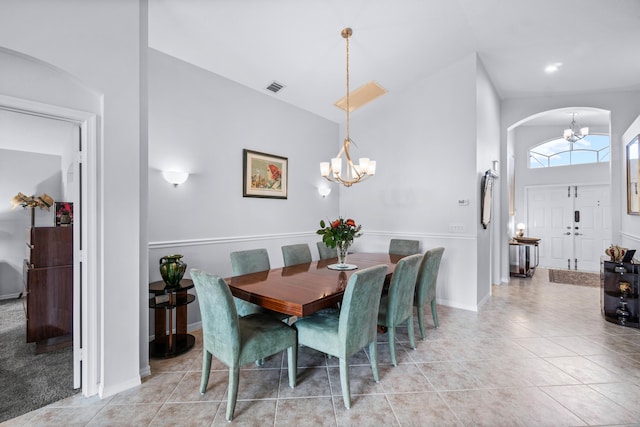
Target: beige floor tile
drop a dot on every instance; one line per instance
(360, 381)
(584, 370)
(310, 382)
(313, 411)
(185, 414)
(590, 406)
(121, 415)
(422, 409)
(154, 389)
(370, 410)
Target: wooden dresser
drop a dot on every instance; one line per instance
(48, 281)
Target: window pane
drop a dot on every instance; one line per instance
(558, 152)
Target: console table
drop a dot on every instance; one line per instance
(523, 257)
(169, 340)
(619, 283)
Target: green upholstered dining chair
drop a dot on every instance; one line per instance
(404, 247)
(246, 262)
(345, 332)
(325, 251)
(296, 254)
(396, 306)
(237, 341)
(426, 286)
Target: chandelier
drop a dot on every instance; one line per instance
(572, 135)
(366, 168)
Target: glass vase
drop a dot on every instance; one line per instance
(342, 248)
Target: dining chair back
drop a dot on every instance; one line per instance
(296, 254)
(404, 247)
(345, 332)
(325, 251)
(396, 307)
(426, 286)
(237, 341)
(247, 262)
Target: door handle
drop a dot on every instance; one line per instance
(568, 233)
(578, 234)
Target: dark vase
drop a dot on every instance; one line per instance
(172, 269)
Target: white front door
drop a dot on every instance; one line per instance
(573, 222)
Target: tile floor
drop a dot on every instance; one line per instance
(536, 354)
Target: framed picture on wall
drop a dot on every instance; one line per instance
(264, 175)
(64, 214)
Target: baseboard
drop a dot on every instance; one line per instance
(11, 296)
(113, 390)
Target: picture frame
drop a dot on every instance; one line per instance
(63, 214)
(264, 175)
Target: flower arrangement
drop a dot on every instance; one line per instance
(339, 230)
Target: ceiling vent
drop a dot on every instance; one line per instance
(275, 87)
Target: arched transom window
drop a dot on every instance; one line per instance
(560, 152)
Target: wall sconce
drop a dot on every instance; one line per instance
(324, 191)
(174, 177)
(520, 228)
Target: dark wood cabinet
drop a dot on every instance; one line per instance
(620, 289)
(48, 281)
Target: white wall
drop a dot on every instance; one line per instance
(424, 141)
(200, 122)
(96, 45)
(630, 224)
(487, 151)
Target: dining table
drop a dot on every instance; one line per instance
(302, 289)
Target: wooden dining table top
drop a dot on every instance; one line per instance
(302, 289)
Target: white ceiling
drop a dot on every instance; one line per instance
(298, 43)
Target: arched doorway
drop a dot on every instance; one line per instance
(569, 206)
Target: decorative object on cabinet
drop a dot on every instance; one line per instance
(43, 201)
(170, 340)
(615, 252)
(619, 283)
(264, 175)
(64, 214)
(48, 280)
(172, 270)
(633, 176)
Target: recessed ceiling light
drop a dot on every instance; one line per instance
(552, 68)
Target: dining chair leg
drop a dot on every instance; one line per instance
(206, 369)
(392, 344)
(234, 378)
(434, 313)
(410, 332)
(292, 359)
(344, 382)
(421, 321)
(373, 355)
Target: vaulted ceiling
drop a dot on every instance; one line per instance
(297, 43)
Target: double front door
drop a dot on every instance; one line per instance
(573, 222)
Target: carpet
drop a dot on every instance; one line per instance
(572, 277)
(29, 381)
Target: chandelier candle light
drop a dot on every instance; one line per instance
(572, 135)
(354, 173)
